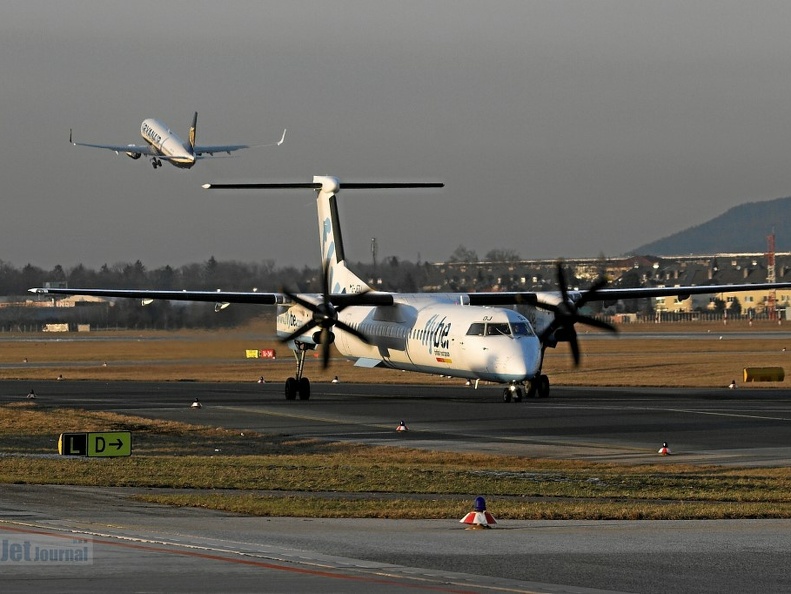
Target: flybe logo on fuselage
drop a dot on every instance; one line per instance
(151, 134)
(288, 320)
(435, 336)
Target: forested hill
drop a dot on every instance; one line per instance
(743, 228)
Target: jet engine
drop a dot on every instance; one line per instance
(133, 155)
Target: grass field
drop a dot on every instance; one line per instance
(710, 354)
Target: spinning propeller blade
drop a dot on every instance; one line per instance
(325, 316)
(567, 314)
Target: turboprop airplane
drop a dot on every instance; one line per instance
(164, 145)
(477, 336)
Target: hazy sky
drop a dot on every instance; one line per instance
(560, 128)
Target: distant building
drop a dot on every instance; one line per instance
(632, 271)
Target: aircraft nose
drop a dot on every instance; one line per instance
(520, 361)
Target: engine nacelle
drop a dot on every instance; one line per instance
(133, 155)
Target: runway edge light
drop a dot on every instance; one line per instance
(478, 518)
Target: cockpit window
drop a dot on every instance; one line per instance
(522, 329)
(476, 329)
(498, 329)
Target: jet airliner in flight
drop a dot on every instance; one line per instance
(477, 336)
(164, 145)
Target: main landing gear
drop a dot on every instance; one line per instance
(537, 388)
(299, 385)
(156, 163)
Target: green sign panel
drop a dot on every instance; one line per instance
(96, 444)
(113, 443)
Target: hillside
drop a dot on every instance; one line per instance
(743, 228)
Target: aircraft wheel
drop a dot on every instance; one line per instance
(531, 389)
(507, 395)
(543, 386)
(518, 395)
(304, 388)
(291, 388)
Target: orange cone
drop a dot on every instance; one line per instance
(478, 518)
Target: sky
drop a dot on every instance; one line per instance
(560, 128)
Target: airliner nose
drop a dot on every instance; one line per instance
(519, 360)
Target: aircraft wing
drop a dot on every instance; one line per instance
(383, 299)
(208, 296)
(253, 297)
(201, 150)
(142, 149)
(613, 294)
(209, 150)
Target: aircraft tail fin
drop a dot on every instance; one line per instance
(339, 278)
(333, 257)
(191, 136)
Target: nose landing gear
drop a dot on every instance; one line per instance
(536, 388)
(513, 392)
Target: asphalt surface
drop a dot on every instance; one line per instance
(143, 547)
(718, 426)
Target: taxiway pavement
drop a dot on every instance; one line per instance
(744, 427)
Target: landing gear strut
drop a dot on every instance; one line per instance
(299, 385)
(156, 163)
(538, 387)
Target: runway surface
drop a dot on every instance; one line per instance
(143, 547)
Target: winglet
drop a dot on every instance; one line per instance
(70, 140)
(282, 138)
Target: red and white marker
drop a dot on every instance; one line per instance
(478, 517)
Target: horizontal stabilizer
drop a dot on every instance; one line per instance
(318, 186)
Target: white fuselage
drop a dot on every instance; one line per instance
(167, 143)
(434, 334)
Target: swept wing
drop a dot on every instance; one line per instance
(141, 149)
(210, 149)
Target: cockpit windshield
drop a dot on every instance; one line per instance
(522, 329)
(477, 329)
(496, 329)
(500, 329)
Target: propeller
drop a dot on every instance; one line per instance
(567, 315)
(325, 316)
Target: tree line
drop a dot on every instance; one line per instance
(264, 276)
